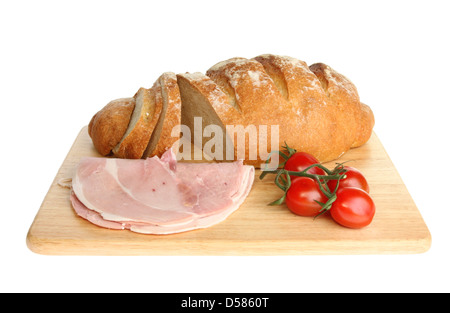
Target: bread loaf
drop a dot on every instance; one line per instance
(316, 109)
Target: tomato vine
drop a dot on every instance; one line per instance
(283, 178)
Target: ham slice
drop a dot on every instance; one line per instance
(158, 195)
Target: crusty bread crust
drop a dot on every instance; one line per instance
(108, 126)
(317, 109)
(365, 126)
(312, 126)
(258, 100)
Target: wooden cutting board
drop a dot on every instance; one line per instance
(254, 229)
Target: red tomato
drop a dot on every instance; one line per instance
(354, 179)
(301, 195)
(300, 161)
(353, 208)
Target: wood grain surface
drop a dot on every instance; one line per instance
(254, 229)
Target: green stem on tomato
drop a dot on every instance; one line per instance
(284, 184)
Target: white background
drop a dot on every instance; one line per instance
(62, 61)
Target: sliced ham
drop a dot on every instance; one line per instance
(158, 196)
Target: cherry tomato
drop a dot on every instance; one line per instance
(353, 208)
(301, 195)
(300, 161)
(354, 179)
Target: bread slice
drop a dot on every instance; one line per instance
(156, 131)
(202, 98)
(168, 94)
(142, 123)
(108, 126)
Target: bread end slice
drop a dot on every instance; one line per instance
(108, 126)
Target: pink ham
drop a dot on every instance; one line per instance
(158, 196)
